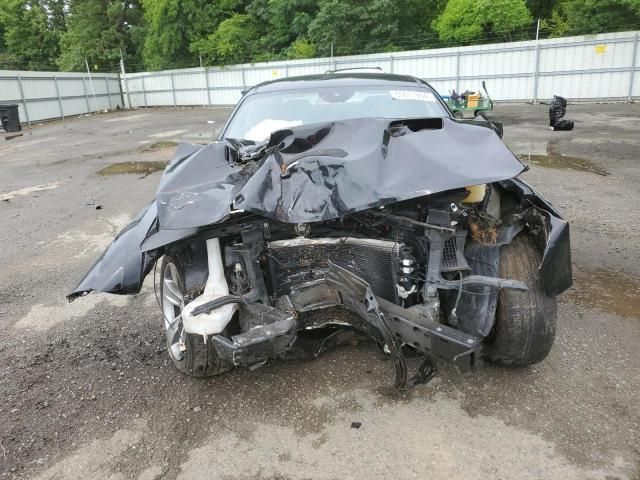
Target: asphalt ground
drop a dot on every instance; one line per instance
(87, 389)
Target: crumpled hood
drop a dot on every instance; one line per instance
(324, 171)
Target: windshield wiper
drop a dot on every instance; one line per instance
(246, 150)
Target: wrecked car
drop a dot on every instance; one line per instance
(346, 201)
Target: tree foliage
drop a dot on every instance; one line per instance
(541, 8)
(163, 34)
(468, 20)
(282, 23)
(5, 58)
(232, 42)
(378, 25)
(31, 35)
(576, 17)
(301, 48)
(174, 29)
(168, 32)
(112, 26)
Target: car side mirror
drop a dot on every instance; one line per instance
(496, 127)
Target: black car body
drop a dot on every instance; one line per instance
(346, 201)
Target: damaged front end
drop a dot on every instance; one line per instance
(393, 228)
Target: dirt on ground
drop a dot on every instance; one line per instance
(88, 390)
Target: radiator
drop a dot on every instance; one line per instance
(296, 261)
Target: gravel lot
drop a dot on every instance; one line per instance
(88, 391)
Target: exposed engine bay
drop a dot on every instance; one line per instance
(400, 238)
(405, 262)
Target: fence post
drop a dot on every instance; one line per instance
(633, 67)
(106, 82)
(244, 84)
(458, 71)
(55, 82)
(93, 90)
(144, 92)
(121, 88)
(24, 100)
(390, 63)
(206, 76)
(173, 90)
(86, 94)
(205, 85)
(286, 70)
(536, 75)
(122, 83)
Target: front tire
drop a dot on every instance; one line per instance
(525, 325)
(189, 353)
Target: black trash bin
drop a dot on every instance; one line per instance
(9, 118)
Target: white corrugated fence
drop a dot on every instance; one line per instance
(46, 95)
(596, 67)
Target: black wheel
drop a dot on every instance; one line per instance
(188, 352)
(525, 325)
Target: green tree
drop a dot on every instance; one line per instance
(301, 48)
(166, 42)
(282, 23)
(379, 25)
(57, 13)
(232, 42)
(468, 20)
(579, 17)
(31, 35)
(175, 28)
(97, 30)
(3, 47)
(541, 8)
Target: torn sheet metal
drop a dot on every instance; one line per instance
(122, 267)
(555, 269)
(329, 171)
(198, 189)
(321, 172)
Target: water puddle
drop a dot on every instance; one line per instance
(160, 146)
(607, 290)
(144, 168)
(564, 162)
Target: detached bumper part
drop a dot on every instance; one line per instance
(434, 339)
(400, 326)
(269, 332)
(275, 336)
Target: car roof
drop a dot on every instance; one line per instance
(337, 80)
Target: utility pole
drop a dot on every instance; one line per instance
(123, 73)
(93, 92)
(333, 65)
(534, 96)
(204, 83)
